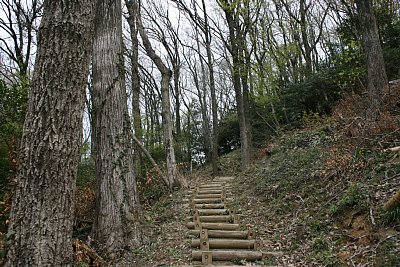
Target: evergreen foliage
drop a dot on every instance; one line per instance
(13, 104)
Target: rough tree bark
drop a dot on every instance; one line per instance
(166, 106)
(40, 232)
(376, 73)
(118, 213)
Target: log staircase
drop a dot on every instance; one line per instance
(218, 236)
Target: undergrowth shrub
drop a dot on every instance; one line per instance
(391, 217)
(85, 196)
(315, 120)
(352, 120)
(317, 93)
(229, 134)
(152, 188)
(354, 196)
(86, 173)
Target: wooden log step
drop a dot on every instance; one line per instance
(226, 243)
(213, 211)
(206, 200)
(215, 226)
(228, 199)
(208, 196)
(227, 194)
(209, 206)
(210, 191)
(216, 218)
(208, 186)
(223, 234)
(224, 179)
(228, 255)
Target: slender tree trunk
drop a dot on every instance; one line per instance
(202, 93)
(244, 75)
(40, 232)
(214, 105)
(245, 142)
(166, 109)
(376, 73)
(137, 120)
(203, 109)
(168, 138)
(118, 212)
(304, 37)
(152, 161)
(176, 75)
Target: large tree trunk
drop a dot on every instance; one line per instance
(376, 74)
(166, 109)
(40, 232)
(118, 212)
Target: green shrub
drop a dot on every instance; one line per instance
(322, 253)
(154, 192)
(86, 173)
(391, 217)
(229, 134)
(317, 94)
(320, 244)
(354, 196)
(158, 153)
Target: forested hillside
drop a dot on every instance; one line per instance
(110, 110)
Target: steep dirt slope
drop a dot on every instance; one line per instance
(320, 201)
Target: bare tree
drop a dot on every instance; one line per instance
(198, 75)
(41, 219)
(152, 107)
(168, 35)
(204, 26)
(117, 223)
(166, 113)
(19, 24)
(307, 40)
(214, 104)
